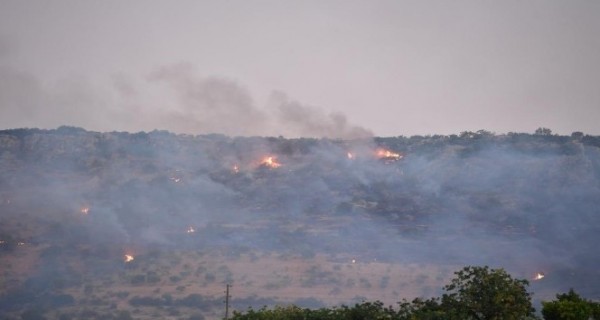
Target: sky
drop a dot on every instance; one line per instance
(341, 69)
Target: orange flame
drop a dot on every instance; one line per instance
(128, 258)
(388, 155)
(191, 230)
(350, 155)
(270, 162)
(85, 210)
(539, 276)
(235, 169)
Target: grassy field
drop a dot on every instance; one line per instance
(255, 278)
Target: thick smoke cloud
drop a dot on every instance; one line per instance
(209, 105)
(216, 105)
(173, 97)
(306, 121)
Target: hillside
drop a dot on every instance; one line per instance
(308, 221)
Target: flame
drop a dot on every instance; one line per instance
(128, 258)
(388, 155)
(191, 230)
(350, 155)
(270, 162)
(235, 169)
(20, 243)
(175, 179)
(539, 276)
(85, 210)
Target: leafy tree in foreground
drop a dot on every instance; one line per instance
(420, 309)
(570, 306)
(482, 293)
(476, 293)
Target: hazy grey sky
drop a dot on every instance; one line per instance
(336, 68)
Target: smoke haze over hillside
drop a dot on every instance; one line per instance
(313, 151)
(528, 203)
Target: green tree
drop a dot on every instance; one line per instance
(569, 306)
(481, 293)
(277, 313)
(476, 293)
(419, 309)
(543, 132)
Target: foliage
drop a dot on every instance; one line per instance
(484, 293)
(429, 309)
(475, 293)
(365, 310)
(570, 306)
(543, 131)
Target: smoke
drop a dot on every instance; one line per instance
(172, 97)
(525, 203)
(298, 120)
(5, 46)
(209, 105)
(218, 105)
(26, 101)
(21, 96)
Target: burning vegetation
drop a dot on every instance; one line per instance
(388, 155)
(539, 276)
(270, 162)
(321, 205)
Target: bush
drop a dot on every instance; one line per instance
(123, 315)
(138, 279)
(570, 306)
(33, 314)
(196, 316)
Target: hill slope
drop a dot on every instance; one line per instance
(310, 221)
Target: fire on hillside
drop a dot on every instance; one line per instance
(388, 155)
(270, 162)
(128, 258)
(539, 276)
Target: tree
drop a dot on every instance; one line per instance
(577, 135)
(543, 132)
(477, 293)
(482, 293)
(570, 306)
(429, 309)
